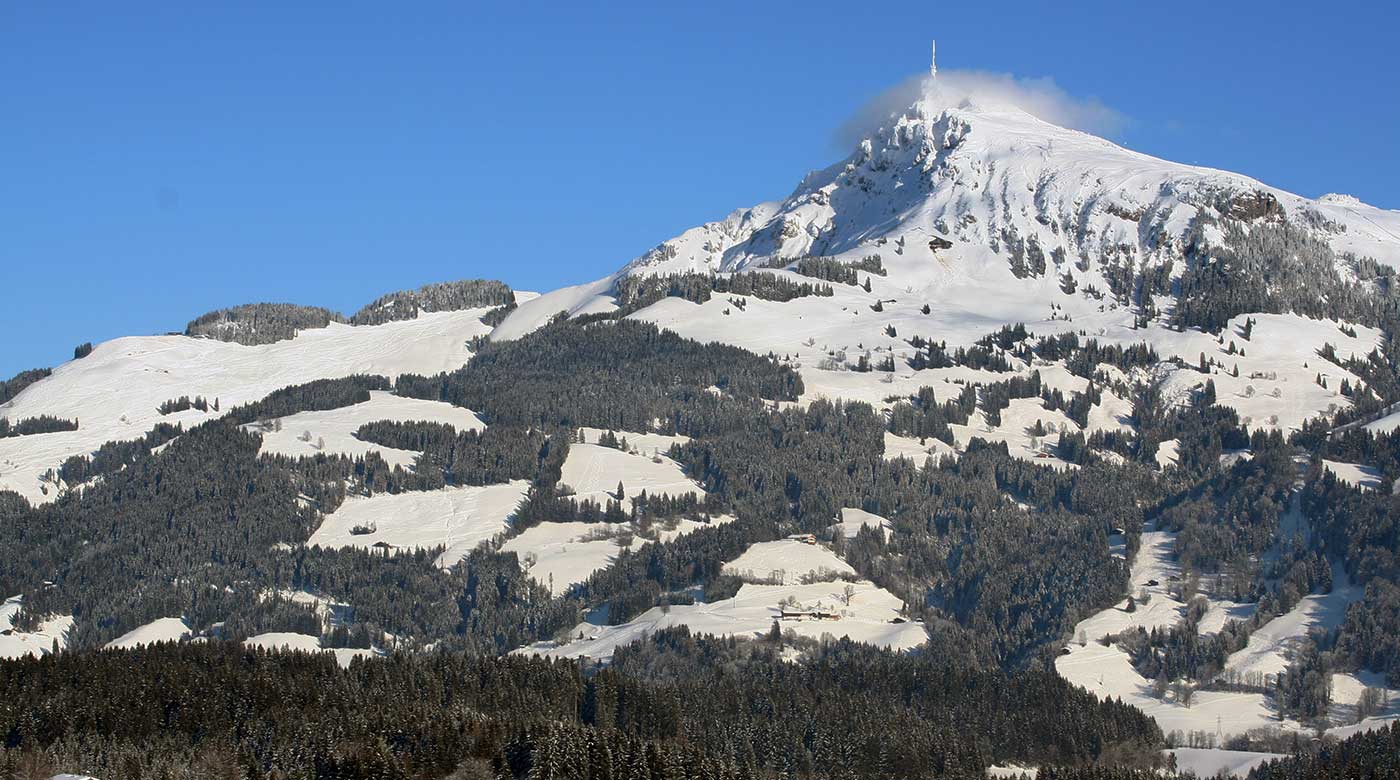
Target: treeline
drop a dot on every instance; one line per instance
(185, 403)
(634, 293)
(1242, 274)
(1369, 754)
(260, 323)
(266, 323)
(11, 387)
(44, 423)
(832, 270)
(619, 375)
(675, 706)
(443, 296)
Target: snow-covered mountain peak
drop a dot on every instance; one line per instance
(956, 181)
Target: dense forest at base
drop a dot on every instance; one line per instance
(674, 706)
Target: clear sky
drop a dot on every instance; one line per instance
(158, 160)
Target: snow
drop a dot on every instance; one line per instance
(1356, 474)
(1271, 645)
(905, 447)
(852, 520)
(114, 392)
(1013, 772)
(751, 614)
(1222, 612)
(1015, 430)
(305, 643)
(1168, 453)
(559, 555)
(458, 517)
(1277, 386)
(1210, 762)
(532, 315)
(160, 630)
(593, 471)
(642, 443)
(17, 644)
(334, 429)
(1108, 673)
(789, 561)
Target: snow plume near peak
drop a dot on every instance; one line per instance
(1039, 97)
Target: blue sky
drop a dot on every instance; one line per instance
(158, 160)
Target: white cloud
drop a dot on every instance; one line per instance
(1040, 97)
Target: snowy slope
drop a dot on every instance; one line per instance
(114, 392)
(458, 518)
(158, 630)
(594, 472)
(869, 618)
(16, 644)
(332, 432)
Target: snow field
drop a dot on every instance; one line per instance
(332, 431)
(559, 555)
(852, 520)
(1356, 474)
(17, 644)
(168, 629)
(788, 561)
(458, 517)
(750, 613)
(594, 471)
(305, 643)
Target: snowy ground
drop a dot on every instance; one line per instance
(333, 431)
(1356, 474)
(458, 517)
(788, 561)
(647, 444)
(1272, 645)
(159, 630)
(1210, 762)
(1017, 431)
(852, 520)
(905, 447)
(751, 614)
(15, 644)
(1108, 673)
(114, 392)
(594, 471)
(286, 640)
(1277, 385)
(559, 555)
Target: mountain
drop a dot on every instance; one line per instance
(991, 402)
(960, 199)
